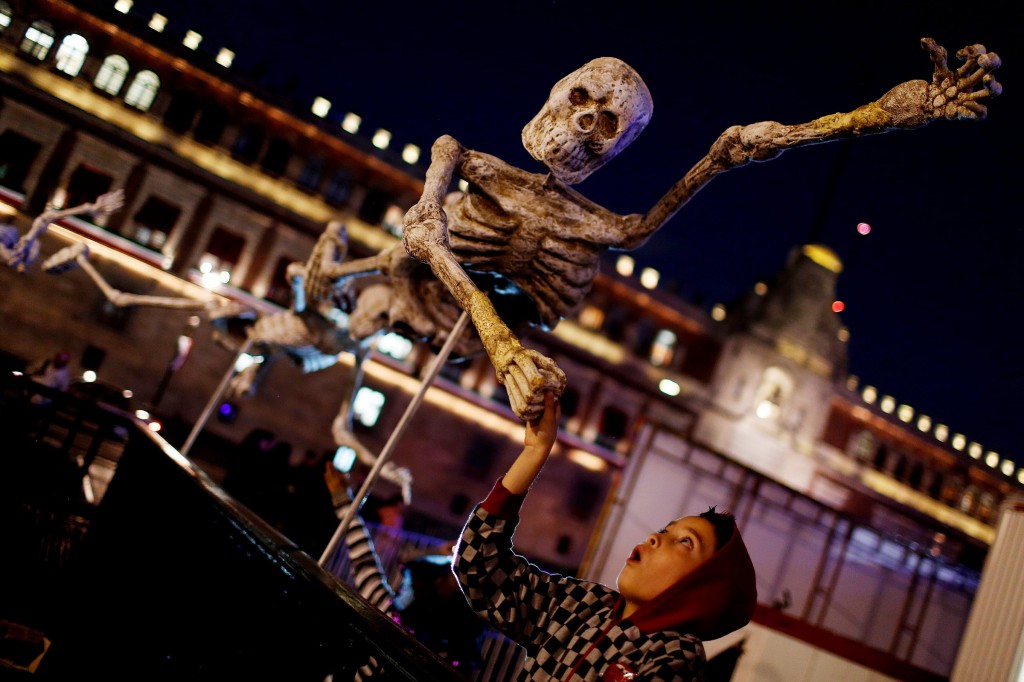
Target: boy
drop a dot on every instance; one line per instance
(689, 581)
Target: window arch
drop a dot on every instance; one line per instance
(862, 446)
(71, 54)
(38, 40)
(142, 91)
(112, 74)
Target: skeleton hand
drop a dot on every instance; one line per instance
(527, 376)
(950, 95)
(108, 203)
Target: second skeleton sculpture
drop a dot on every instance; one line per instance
(519, 250)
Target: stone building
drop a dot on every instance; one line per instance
(851, 500)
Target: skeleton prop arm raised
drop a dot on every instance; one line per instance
(949, 95)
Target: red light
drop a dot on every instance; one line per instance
(863, 228)
(838, 306)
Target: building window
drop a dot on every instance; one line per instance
(142, 91)
(212, 123)
(222, 254)
(38, 40)
(373, 206)
(181, 111)
(312, 174)
(862, 446)
(663, 348)
(584, 497)
(276, 159)
(71, 54)
(338, 188)
(591, 317)
(85, 184)
(5, 16)
(248, 143)
(367, 406)
(280, 289)
(612, 427)
(153, 223)
(17, 154)
(776, 387)
(112, 74)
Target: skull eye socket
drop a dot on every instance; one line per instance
(579, 96)
(607, 124)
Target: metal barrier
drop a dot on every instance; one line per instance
(167, 577)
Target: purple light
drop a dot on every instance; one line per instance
(863, 228)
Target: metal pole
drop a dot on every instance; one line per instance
(215, 398)
(393, 439)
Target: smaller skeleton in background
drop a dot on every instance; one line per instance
(20, 252)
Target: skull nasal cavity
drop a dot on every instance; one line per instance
(585, 122)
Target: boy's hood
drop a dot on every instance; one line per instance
(712, 601)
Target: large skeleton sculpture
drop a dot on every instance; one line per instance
(520, 250)
(20, 252)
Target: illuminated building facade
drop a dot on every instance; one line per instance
(222, 178)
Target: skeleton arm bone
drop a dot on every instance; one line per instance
(104, 205)
(950, 95)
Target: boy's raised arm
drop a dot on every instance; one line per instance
(540, 437)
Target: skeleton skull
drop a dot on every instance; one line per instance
(590, 116)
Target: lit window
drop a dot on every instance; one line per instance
(381, 139)
(410, 154)
(5, 16)
(852, 382)
(123, 6)
(888, 404)
(367, 405)
(395, 345)
(624, 265)
(463, 186)
(924, 422)
(959, 441)
(38, 40)
(225, 57)
(158, 23)
(71, 54)
(112, 74)
(669, 387)
(870, 395)
(394, 220)
(1006, 467)
(663, 348)
(321, 106)
(592, 317)
(142, 91)
(905, 413)
(192, 40)
(760, 288)
(776, 386)
(941, 432)
(974, 450)
(843, 334)
(649, 278)
(992, 459)
(718, 312)
(351, 123)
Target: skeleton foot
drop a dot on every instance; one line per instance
(527, 376)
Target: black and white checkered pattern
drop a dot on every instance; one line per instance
(570, 628)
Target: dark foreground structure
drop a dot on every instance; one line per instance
(166, 578)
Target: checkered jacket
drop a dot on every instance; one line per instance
(571, 629)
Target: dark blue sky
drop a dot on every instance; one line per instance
(929, 293)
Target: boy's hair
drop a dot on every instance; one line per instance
(724, 524)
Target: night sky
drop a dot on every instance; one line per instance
(929, 293)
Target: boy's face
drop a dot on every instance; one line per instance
(666, 556)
